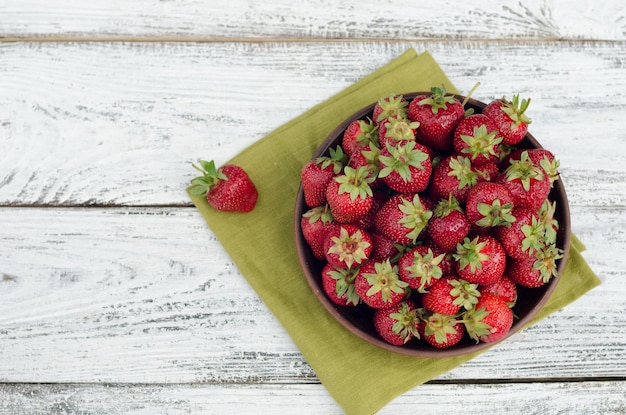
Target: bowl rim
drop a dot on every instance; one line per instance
(314, 281)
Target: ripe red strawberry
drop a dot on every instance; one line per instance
(487, 172)
(449, 295)
(536, 271)
(395, 130)
(347, 246)
(397, 324)
(477, 137)
(378, 284)
(489, 204)
(419, 267)
(228, 188)
(440, 330)
(490, 320)
(524, 236)
(338, 284)
(481, 260)
(349, 194)
(447, 264)
(504, 288)
(316, 174)
(509, 118)
(438, 115)
(405, 168)
(453, 175)
(359, 133)
(393, 106)
(402, 218)
(366, 222)
(448, 226)
(527, 182)
(383, 247)
(316, 223)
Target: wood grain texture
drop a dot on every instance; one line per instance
(149, 296)
(119, 124)
(115, 294)
(219, 19)
(599, 398)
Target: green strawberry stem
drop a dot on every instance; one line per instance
(470, 93)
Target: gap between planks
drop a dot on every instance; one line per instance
(201, 39)
(315, 381)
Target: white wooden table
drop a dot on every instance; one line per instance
(114, 295)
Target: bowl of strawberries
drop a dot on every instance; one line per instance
(431, 224)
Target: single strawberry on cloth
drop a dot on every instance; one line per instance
(261, 244)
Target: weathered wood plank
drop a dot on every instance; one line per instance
(601, 398)
(68, 138)
(570, 19)
(149, 295)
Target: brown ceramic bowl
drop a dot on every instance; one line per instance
(358, 320)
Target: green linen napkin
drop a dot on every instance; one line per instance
(361, 378)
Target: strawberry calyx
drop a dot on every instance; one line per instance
(545, 262)
(344, 286)
(438, 99)
(401, 158)
(461, 168)
(469, 253)
(551, 168)
(426, 268)
(400, 128)
(349, 247)
(393, 106)
(550, 225)
(211, 176)
(406, 322)
(415, 217)
(446, 206)
(481, 142)
(385, 280)
(337, 159)
(465, 294)
(474, 324)
(495, 214)
(356, 182)
(524, 170)
(319, 213)
(369, 132)
(516, 109)
(439, 325)
(534, 235)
